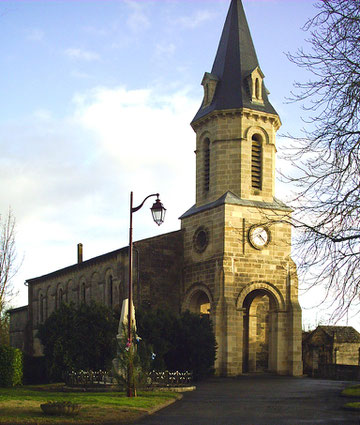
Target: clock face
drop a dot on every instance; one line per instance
(259, 236)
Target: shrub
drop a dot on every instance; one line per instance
(195, 348)
(34, 370)
(11, 366)
(4, 328)
(78, 338)
(185, 342)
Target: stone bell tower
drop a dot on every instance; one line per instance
(237, 264)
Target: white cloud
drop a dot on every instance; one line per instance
(164, 51)
(68, 180)
(137, 20)
(143, 135)
(80, 75)
(80, 54)
(35, 34)
(195, 20)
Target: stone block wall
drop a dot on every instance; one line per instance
(18, 324)
(230, 133)
(157, 280)
(347, 353)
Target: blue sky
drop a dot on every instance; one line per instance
(96, 101)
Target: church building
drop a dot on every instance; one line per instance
(232, 257)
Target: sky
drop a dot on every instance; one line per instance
(96, 97)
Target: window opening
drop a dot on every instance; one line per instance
(41, 308)
(110, 291)
(256, 162)
(83, 292)
(207, 165)
(60, 296)
(257, 89)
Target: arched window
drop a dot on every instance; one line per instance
(83, 293)
(256, 162)
(257, 89)
(206, 165)
(200, 304)
(110, 289)
(61, 296)
(41, 315)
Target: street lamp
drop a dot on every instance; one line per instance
(158, 213)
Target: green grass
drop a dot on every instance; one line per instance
(21, 406)
(352, 406)
(353, 391)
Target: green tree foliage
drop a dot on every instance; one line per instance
(180, 343)
(132, 362)
(4, 328)
(78, 338)
(11, 366)
(159, 330)
(195, 346)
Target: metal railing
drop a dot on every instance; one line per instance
(102, 378)
(169, 379)
(84, 378)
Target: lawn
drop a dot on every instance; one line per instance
(353, 391)
(21, 406)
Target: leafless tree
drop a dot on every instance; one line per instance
(8, 266)
(326, 159)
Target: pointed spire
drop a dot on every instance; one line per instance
(234, 67)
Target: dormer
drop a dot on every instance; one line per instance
(235, 80)
(209, 82)
(255, 82)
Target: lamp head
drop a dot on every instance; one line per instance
(158, 212)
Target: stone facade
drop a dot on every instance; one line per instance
(331, 345)
(240, 280)
(157, 262)
(18, 324)
(237, 237)
(232, 257)
(230, 135)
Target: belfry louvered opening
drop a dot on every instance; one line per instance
(256, 162)
(206, 165)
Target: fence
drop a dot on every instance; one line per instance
(170, 379)
(89, 378)
(338, 371)
(101, 378)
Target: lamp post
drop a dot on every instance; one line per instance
(158, 214)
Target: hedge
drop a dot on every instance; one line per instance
(11, 366)
(34, 370)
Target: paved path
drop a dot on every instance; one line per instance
(259, 400)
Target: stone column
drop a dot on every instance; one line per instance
(281, 351)
(273, 341)
(252, 320)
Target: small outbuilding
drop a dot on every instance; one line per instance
(330, 345)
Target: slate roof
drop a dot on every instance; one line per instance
(86, 263)
(231, 198)
(235, 60)
(342, 334)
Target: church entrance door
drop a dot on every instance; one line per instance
(258, 310)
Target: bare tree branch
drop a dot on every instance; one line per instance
(326, 159)
(8, 266)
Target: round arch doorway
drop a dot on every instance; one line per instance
(198, 300)
(199, 303)
(259, 308)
